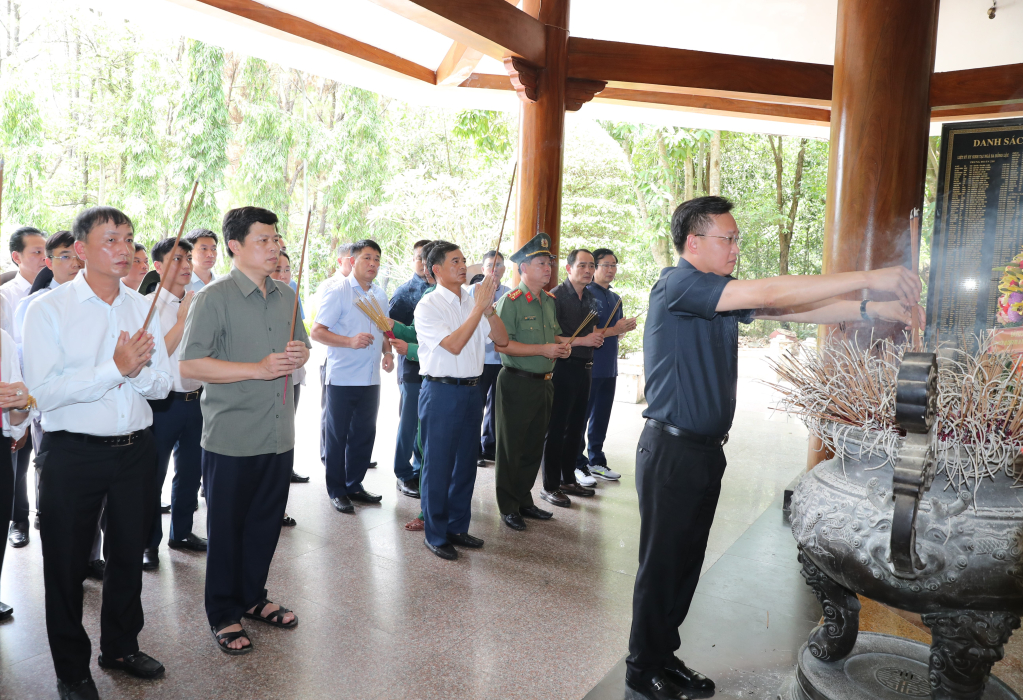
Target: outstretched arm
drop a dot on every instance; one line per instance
(800, 291)
(842, 310)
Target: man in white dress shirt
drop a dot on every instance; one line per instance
(91, 366)
(28, 251)
(177, 419)
(354, 347)
(204, 257)
(452, 334)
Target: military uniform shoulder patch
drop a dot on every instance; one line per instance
(550, 294)
(515, 294)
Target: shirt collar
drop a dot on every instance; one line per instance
(20, 280)
(449, 296)
(167, 297)
(247, 286)
(84, 292)
(525, 291)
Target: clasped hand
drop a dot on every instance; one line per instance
(133, 352)
(278, 364)
(13, 395)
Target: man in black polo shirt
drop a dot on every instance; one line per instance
(572, 302)
(691, 353)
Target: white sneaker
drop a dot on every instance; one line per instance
(604, 473)
(584, 479)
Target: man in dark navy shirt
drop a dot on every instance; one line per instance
(691, 353)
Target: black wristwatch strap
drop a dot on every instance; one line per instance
(863, 310)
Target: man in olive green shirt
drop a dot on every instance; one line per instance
(238, 342)
(522, 404)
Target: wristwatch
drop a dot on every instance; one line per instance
(863, 311)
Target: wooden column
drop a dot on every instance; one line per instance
(542, 137)
(880, 118)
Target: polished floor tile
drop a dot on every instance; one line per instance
(539, 614)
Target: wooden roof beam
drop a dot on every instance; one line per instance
(281, 24)
(459, 62)
(492, 27)
(991, 85)
(700, 72)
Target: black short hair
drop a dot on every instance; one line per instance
(693, 218)
(92, 217)
(237, 223)
(492, 254)
(438, 252)
(478, 277)
(163, 247)
(284, 254)
(574, 255)
(426, 256)
(139, 248)
(420, 243)
(358, 246)
(601, 253)
(197, 233)
(61, 239)
(17, 244)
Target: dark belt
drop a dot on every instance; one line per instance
(457, 381)
(577, 361)
(108, 440)
(531, 375)
(710, 440)
(186, 395)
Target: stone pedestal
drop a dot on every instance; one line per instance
(879, 667)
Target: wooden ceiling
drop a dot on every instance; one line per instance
(636, 74)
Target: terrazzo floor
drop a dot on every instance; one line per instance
(539, 614)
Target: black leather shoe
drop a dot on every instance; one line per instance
(409, 488)
(298, 478)
(139, 664)
(514, 521)
(342, 504)
(82, 690)
(95, 569)
(686, 677)
(5, 611)
(18, 534)
(190, 541)
(575, 489)
(656, 687)
(481, 463)
(372, 465)
(464, 539)
(555, 498)
(445, 551)
(150, 559)
(364, 497)
(288, 521)
(535, 513)
(36, 523)
(164, 508)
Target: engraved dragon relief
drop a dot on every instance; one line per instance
(827, 522)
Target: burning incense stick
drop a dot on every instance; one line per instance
(914, 239)
(369, 306)
(589, 317)
(298, 289)
(511, 188)
(612, 314)
(163, 278)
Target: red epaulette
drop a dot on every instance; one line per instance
(550, 294)
(513, 295)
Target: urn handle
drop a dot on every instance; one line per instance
(915, 408)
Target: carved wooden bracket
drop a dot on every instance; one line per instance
(523, 77)
(578, 92)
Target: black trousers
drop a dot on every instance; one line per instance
(75, 479)
(23, 458)
(177, 429)
(488, 390)
(678, 483)
(6, 494)
(568, 423)
(245, 501)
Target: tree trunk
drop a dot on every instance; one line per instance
(797, 182)
(701, 181)
(715, 163)
(660, 248)
(688, 166)
(779, 184)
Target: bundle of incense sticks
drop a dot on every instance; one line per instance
(589, 317)
(615, 309)
(371, 307)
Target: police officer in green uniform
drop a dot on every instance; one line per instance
(524, 395)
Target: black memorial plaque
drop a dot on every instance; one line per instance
(978, 227)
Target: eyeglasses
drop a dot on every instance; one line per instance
(609, 266)
(64, 258)
(731, 240)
